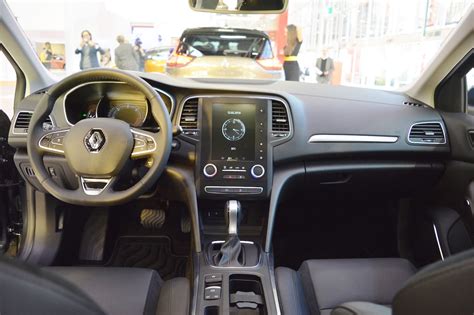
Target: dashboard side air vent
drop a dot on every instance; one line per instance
(427, 133)
(189, 117)
(280, 120)
(22, 122)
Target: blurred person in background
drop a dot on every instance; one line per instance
(88, 50)
(294, 39)
(324, 68)
(140, 52)
(46, 55)
(106, 59)
(125, 55)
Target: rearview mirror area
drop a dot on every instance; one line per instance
(239, 6)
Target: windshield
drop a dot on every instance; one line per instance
(382, 44)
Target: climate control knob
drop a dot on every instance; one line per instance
(210, 170)
(257, 171)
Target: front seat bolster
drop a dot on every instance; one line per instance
(174, 297)
(126, 291)
(445, 287)
(26, 289)
(290, 292)
(361, 308)
(330, 282)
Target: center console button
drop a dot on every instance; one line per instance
(214, 278)
(212, 293)
(210, 170)
(257, 171)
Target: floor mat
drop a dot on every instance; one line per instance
(148, 252)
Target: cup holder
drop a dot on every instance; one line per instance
(246, 295)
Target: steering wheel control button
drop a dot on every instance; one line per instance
(53, 142)
(257, 171)
(94, 140)
(143, 144)
(210, 170)
(212, 293)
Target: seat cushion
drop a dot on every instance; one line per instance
(126, 291)
(332, 282)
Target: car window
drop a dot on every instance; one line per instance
(383, 44)
(7, 85)
(224, 44)
(470, 91)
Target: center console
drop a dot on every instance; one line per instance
(234, 136)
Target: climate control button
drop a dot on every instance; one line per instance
(257, 171)
(210, 170)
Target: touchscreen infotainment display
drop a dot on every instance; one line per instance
(233, 132)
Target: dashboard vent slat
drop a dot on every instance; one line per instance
(280, 121)
(427, 133)
(22, 122)
(189, 117)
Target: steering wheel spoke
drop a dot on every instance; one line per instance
(53, 141)
(95, 186)
(144, 144)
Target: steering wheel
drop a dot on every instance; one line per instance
(97, 149)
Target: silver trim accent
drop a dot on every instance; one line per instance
(352, 138)
(253, 174)
(238, 171)
(50, 149)
(427, 143)
(115, 82)
(260, 190)
(264, 97)
(26, 111)
(438, 242)
(241, 242)
(94, 191)
(146, 152)
(207, 174)
(232, 208)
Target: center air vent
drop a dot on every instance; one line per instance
(189, 117)
(427, 133)
(280, 121)
(23, 121)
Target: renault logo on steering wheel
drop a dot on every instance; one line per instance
(94, 140)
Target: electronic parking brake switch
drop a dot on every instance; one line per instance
(213, 286)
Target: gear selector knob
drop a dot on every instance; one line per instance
(232, 216)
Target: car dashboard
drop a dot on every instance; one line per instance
(239, 137)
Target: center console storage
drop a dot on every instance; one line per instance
(234, 276)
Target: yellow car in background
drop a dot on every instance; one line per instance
(213, 52)
(155, 58)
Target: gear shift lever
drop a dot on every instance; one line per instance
(231, 249)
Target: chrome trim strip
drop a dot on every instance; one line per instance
(26, 111)
(264, 97)
(352, 138)
(115, 82)
(93, 191)
(146, 152)
(271, 270)
(238, 171)
(427, 143)
(241, 242)
(260, 190)
(438, 242)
